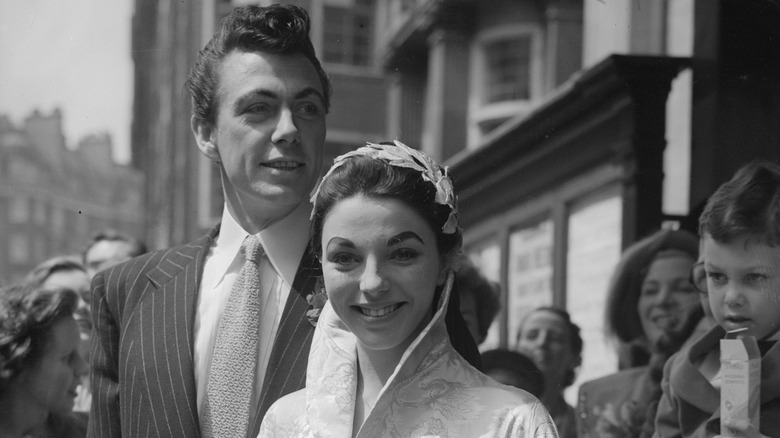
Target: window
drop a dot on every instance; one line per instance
(506, 77)
(508, 65)
(20, 211)
(348, 28)
(39, 212)
(19, 249)
(57, 220)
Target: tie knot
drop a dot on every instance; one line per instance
(252, 248)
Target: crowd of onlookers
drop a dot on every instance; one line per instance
(657, 305)
(45, 336)
(326, 348)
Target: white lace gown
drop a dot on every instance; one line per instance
(433, 392)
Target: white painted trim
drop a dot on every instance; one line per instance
(479, 112)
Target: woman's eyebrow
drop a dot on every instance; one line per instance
(406, 235)
(340, 241)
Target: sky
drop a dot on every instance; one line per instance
(71, 54)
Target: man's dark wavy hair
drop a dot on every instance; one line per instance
(277, 29)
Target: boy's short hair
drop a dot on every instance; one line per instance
(748, 204)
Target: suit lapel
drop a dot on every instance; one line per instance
(287, 365)
(171, 378)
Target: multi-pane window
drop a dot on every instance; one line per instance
(508, 63)
(19, 249)
(348, 28)
(20, 210)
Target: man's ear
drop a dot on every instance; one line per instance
(204, 135)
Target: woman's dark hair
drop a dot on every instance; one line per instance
(279, 29)
(44, 270)
(622, 318)
(374, 178)
(524, 369)
(26, 314)
(575, 338)
(469, 280)
(748, 204)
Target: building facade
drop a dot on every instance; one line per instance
(52, 199)
(573, 128)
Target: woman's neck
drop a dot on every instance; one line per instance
(19, 418)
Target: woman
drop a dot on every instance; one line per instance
(553, 341)
(381, 363)
(652, 309)
(68, 272)
(40, 364)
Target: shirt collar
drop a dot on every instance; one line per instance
(284, 242)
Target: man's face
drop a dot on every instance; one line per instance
(105, 254)
(269, 131)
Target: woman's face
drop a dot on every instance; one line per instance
(667, 298)
(545, 338)
(77, 281)
(50, 382)
(381, 267)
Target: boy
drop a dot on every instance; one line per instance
(740, 231)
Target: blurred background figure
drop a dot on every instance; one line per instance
(549, 337)
(699, 280)
(110, 247)
(40, 364)
(652, 309)
(514, 369)
(67, 272)
(480, 299)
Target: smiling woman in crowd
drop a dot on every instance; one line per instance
(40, 364)
(652, 309)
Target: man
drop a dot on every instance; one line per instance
(260, 97)
(108, 248)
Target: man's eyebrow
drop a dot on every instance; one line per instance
(309, 91)
(241, 101)
(306, 92)
(400, 237)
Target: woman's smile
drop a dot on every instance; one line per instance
(378, 312)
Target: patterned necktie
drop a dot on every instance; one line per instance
(233, 367)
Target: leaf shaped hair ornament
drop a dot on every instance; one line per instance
(401, 155)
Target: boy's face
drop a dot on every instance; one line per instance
(743, 282)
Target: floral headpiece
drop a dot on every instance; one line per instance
(401, 155)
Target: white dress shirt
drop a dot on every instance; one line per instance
(284, 243)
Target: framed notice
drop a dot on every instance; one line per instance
(530, 271)
(594, 247)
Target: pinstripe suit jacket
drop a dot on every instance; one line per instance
(143, 378)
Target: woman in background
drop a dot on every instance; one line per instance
(40, 364)
(68, 272)
(652, 309)
(549, 337)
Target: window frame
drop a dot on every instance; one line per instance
(482, 113)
